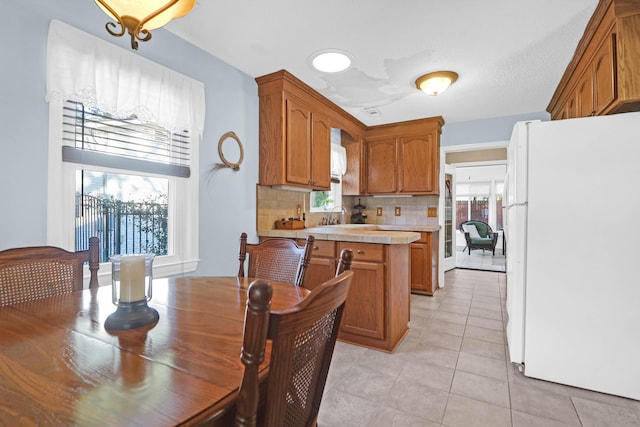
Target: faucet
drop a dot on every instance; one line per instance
(329, 219)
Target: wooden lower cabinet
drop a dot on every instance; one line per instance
(322, 266)
(364, 311)
(376, 313)
(424, 264)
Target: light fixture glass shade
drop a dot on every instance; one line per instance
(138, 17)
(331, 61)
(437, 82)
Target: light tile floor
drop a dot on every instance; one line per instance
(480, 260)
(452, 370)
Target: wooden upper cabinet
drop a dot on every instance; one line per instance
(352, 182)
(571, 108)
(404, 158)
(308, 147)
(298, 143)
(603, 77)
(584, 95)
(295, 133)
(321, 149)
(418, 169)
(595, 91)
(382, 165)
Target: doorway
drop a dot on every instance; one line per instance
(453, 158)
(479, 191)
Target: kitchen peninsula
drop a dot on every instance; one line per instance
(377, 310)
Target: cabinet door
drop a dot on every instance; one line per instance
(417, 157)
(424, 264)
(364, 311)
(319, 271)
(571, 111)
(604, 76)
(320, 153)
(584, 95)
(298, 143)
(420, 267)
(381, 166)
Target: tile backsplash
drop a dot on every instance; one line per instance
(413, 210)
(273, 204)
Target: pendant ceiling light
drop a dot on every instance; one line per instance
(140, 16)
(437, 82)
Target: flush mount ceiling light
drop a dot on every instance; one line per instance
(437, 82)
(331, 61)
(138, 17)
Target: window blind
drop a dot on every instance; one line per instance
(93, 137)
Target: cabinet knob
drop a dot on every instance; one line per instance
(360, 251)
(315, 248)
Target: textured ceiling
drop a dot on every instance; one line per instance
(510, 54)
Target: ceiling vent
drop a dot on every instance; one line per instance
(372, 111)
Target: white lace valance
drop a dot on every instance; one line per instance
(84, 68)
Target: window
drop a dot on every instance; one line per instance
(128, 212)
(126, 222)
(123, 152)
(331, 201)
(480, 201)
(327, 201)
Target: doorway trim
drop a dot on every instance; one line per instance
(443, 154)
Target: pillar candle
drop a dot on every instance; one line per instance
(132, 275)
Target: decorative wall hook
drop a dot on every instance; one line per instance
(234, 166)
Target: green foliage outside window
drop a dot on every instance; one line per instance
(321, 199)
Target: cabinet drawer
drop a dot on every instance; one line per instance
(325, 248)
(364, 251)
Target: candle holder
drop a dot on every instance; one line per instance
(131, 278)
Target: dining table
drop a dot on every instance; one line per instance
(59, 365)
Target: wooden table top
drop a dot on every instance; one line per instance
(59, 366)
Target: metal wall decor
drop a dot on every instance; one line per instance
(227, 163)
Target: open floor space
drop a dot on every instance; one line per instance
(452, 370)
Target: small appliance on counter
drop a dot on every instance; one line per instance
(358, 216)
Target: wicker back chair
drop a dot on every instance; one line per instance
(303, 339)
(36, 272)
(275, 259)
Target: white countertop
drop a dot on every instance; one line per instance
(367, 233)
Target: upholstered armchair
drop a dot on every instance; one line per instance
(479, 235)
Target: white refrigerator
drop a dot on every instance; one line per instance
(572, 227)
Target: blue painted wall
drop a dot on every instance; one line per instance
(487, 130)
(227, 198)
